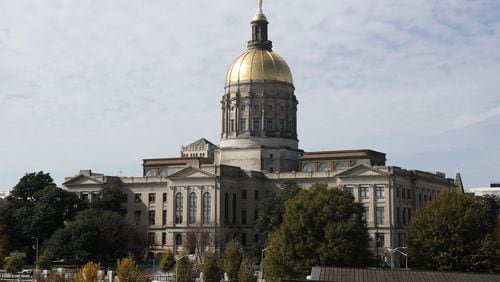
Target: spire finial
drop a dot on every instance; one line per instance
(259, 10)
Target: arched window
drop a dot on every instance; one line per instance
(192, 207)
(324, 167)
(226, 208)
(163, 172)
(178, 239)
(308, 168)
(151, 173)
(178, 207)
(207, 208)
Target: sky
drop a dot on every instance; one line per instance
(102, 85)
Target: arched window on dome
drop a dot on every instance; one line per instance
(324, 167)
(178, 207)
(192, 207)
(308, 168)
(150, 173)
(207, 207)
(163, 172)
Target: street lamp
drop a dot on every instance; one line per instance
(262, 264)
(36, 248)
(398, 249)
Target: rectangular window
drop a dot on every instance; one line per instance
(380, 239)
(124, 198)
(243, 216)
(404, 216)
(84, 197)
(243, 194)
(398, 216)
(243, 239)
(379, 192)
(366, 214)
(152, 198)
(269, 125)
(256, 213)
(151, 238)
(151, 218)
(256, 124)
(379, 215)
(164, 217)
(404, 193)
(363, 191)
(137, 216)
(409, 194)
(163, 238)
(256, 195)
(164, 197)
(232, 124)
(350, 189)
(137, 198)
(282, 124)
(243, 124)
(409, 215)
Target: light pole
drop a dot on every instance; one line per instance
(398, 249)
(36, 248)
(262, 264)
(154, 261)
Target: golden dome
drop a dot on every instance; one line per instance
(258, 64)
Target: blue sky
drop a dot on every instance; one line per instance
(103, 84)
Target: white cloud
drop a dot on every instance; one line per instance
(93, 84)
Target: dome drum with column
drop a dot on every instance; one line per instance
(259, 108)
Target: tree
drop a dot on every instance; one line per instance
(272, 207)
(231, 260)
(13, 263)
(210, 269)
(167, 262)
(45, 260)
(97, 235)
(455, 232)
(89, 272)
(245, 273)
(28, 186)
(128, 270)
(109, 197)
(322, 226)
(36, 208)
(185, 269)
(271, 211)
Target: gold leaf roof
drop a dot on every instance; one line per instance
(259, 65)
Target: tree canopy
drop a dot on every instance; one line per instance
(109, 197)
(98, 235)
(36, 208)
(272, 207)
(455, 232)
(322, 226)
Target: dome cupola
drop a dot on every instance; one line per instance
(259, 63)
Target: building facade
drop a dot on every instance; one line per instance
(216, 189)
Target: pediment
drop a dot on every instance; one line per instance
(362, 170)
(82, 179)
(192, 172)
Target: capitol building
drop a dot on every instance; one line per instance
(216, 189)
